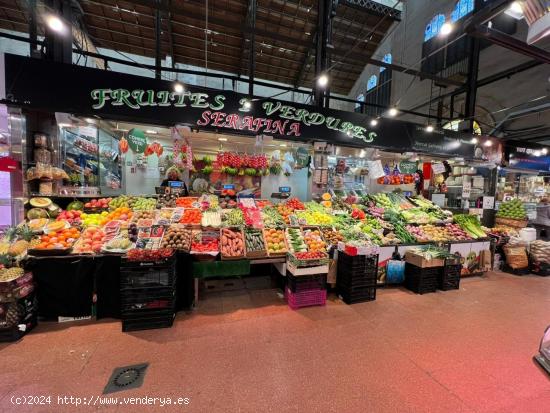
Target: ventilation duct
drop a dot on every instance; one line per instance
(537, 14)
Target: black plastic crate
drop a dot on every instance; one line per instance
(147, 276)
(145, 295)
(298, 283)
(358, 263)
(422, 280)
(147, 306)
(148, 323)
(517, 271)
(540, 268)
(450, 277)
(358, 296)
(164, 263)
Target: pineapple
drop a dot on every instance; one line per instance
(25, 233)
(10, 234)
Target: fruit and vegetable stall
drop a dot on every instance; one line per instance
(104, 235)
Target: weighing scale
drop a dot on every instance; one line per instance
(543, 358)
(284, 193)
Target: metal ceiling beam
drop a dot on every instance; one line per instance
(374, 7)
(158, 31)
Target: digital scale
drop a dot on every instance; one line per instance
(284, 193)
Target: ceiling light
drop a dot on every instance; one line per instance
(222, 139)
(178, 87)
(488, 143)
(374, 122)
(515, 10)
(247, 104)
(323, 80)
(283, 145)
(55, 23)
(544, 151)
(348, 132)
(429, 128)
(392, 112)
(446, 29)
(474, 141)
(537, 153)
(151, 132)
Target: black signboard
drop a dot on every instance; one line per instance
(85, 91)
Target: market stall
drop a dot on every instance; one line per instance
(308, 190)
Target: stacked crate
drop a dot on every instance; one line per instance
(18, 306)
(147, 294)
(450, 276)
(357, 277)
(422, 280)
(306, 290)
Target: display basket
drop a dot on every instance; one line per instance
(515, 223)
(229, 257)
(255, 253)
(301, 263)
(281, 253)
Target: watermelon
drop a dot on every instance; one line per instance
(54, 210)
(75, 205)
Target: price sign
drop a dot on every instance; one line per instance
(488, 202)
(137, 141)
(438, 168)
(466, 189)
(407, 167)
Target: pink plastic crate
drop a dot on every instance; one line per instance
(305, 298)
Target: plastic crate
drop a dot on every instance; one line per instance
(306, 282)
(148, 323)
(147, 306)
(540, 268)
(517, 271)
(147, 277)
(357, 263)
(422, 280)
(135, 295)
(359, 295)
(306, 298)
(450, 277)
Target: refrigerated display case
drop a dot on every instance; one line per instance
(92, 160)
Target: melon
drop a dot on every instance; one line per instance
(54, 210)
(40, 202)
(75, 205)
(35, 213)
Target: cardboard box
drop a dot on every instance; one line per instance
(422, 262)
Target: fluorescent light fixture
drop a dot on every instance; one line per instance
(151, 132)
(429, 128)
(323, 80)
(247, 104)
(64, 125)
(222, 139)
(374, 122)
(392, 112)
(446, 29)
(474, 141)
(488, 143)
(122, 130)
(178, 87)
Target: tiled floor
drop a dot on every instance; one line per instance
(246, 351)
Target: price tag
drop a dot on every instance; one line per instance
(438, 168)
(466, 189)
(488, 202)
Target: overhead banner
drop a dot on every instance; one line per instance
(118, 96)
(536, 158)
